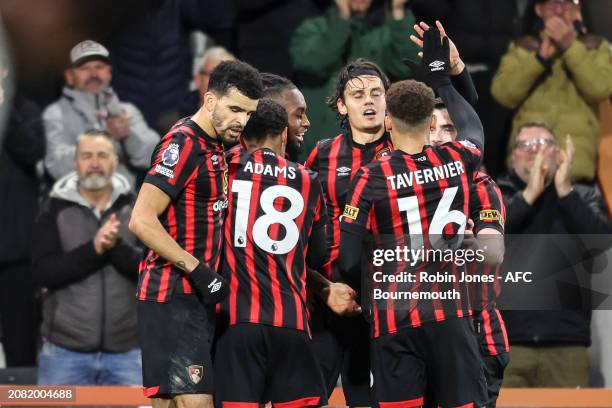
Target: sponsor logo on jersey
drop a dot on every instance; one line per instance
(343, 171)
(164, 171)
(350, 212)
(491, 216)
(171, 155)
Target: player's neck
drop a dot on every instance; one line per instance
(366, 136)
(411, 143)
(204, 120)
(268, 144)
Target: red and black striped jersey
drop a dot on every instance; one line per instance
(336, 161)
(415, 201)
(274, 207)
(189, 166)
(487, 210)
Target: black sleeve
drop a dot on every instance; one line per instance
(518, 211)
(25, 136)
(463, 115)
(317, 248)
(52, 268)
(585, 211)
(465, 86)
(125, 257)
(349, 261)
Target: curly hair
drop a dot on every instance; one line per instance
(236, 74)
(351, 71)
(411, 103)
(269, 120)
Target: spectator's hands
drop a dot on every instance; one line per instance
(563, 176)
(344, 8)
(106, 237)
(341, 299)
(537, 177)
(456, 63)
(118, 126)
(547, 48)
(560, 32)
(398, 9)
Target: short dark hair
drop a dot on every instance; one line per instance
(269, 120)
(351, 71)
(540, 125)
(274, 85)
(236, 74)
(411, 102)
(439, 103)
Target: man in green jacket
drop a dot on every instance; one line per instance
(558, 77)
(351, 29)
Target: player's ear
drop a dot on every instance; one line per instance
(283, 139)
(210, 100)
(388, 123)
(341, 107)
(434, 122)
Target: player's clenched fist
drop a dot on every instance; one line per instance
(341, 299)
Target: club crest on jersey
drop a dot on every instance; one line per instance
(350, 212)
(491, 216)
(343, 171)
(171, 155)
(196, 373)
(382, 153)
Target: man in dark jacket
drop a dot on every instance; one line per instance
(549, 347)
(22, 147)
(86, 259)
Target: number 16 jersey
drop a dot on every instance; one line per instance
(274, 206)
(419, 201)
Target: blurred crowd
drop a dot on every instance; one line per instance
(128, 70)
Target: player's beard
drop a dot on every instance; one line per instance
(95, 182)
(223, 133)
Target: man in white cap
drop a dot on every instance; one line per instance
(88, 102)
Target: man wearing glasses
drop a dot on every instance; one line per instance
(558, 75)
(548, 347)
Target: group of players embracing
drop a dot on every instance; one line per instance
(257, 275)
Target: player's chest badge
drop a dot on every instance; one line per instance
(196, 373)
(385, 151)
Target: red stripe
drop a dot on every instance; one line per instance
(312, 157)
(142, 294)
(230, 256)
(464, 178)
(250, 248)
(189, 227)
(227, 404)
(150, 391)
(183, 157)
(272, 260)
(418, 191)
(398, 231)
(488, 332)
(332, 201)
(417, 402)
(303, 402)
(502, 325)
(167, 269)
(355, 161)
(306, 193)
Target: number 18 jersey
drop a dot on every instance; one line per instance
(415, 201)
(274, 205)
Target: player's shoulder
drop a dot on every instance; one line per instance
(180, 131)
(325, 145)
(233, 154)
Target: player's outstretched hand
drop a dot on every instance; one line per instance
(341, 299)
(434, 68)
(212, 286)
(456, 63)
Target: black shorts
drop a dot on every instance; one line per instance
(442, 354)
(256, 363)
(176, 339)
(342, 347)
